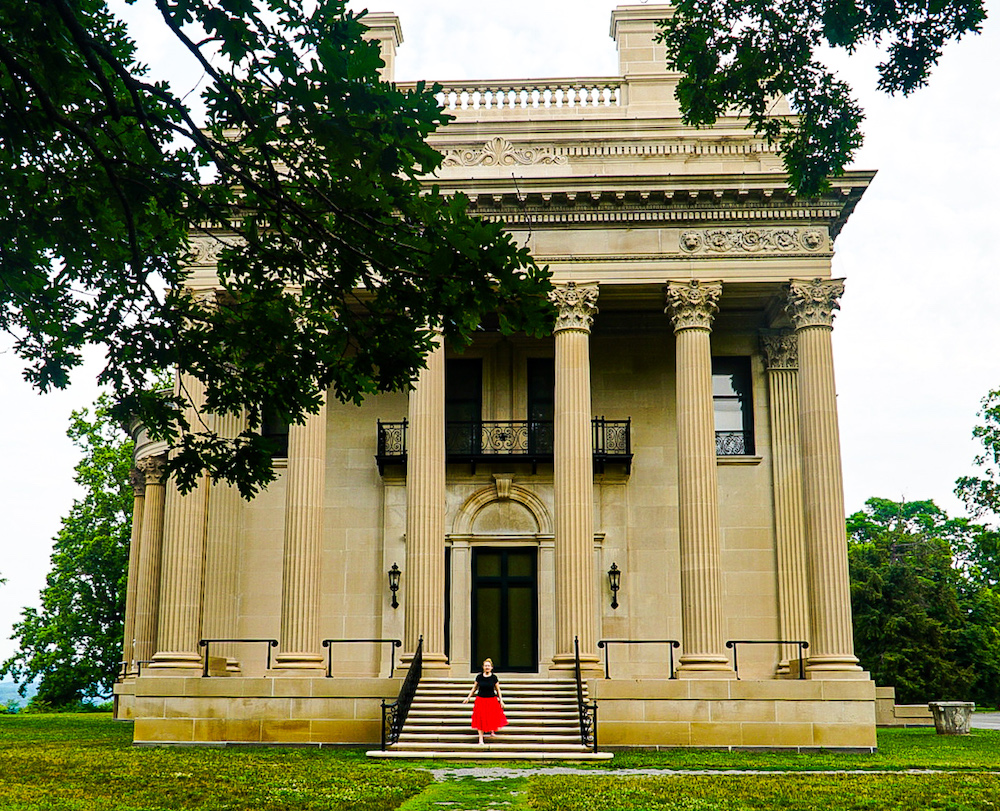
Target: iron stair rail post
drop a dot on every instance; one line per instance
(394, 714)
(588, 712)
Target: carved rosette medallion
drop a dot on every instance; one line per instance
(152, 468)
(692, 305)
(500, 152)
(577, 305)
(752, 240)
(813, 303)
(780, 351)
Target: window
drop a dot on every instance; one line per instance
(732, 385)
(274, 428)
(463, 405)
(541, 404)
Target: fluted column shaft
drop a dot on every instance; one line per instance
(573, 476)
(147, 570)
(811, 307)
(305, 486)
(182, 567)
(692, 307)
(225, 510)
(781, 358)
(425, 513)
(132, 576)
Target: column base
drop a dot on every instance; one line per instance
(590, 664)
(310, 665)
(835, 667)
(175, 663)
(429, 661)
(705, 667)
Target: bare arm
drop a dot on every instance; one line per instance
(471, 693)
(500, 695)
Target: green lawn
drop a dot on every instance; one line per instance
(87, 763)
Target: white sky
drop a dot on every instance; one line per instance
(916, 342)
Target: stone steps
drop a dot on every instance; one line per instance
(543, 715)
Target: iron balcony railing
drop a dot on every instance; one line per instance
(733, 443)
(510, 440)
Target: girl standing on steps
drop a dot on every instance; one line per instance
(487, 712)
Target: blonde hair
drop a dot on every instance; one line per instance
(488, 660)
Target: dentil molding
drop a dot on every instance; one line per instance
(753, 240)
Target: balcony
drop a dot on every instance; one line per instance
(733, 443)
(508, 441)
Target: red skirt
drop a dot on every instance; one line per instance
(487, 715)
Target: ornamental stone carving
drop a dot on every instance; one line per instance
(752, 240)
(577, 305)
(692, 305)
(138, 481)
(813, 303)
(780, 351)
(500, 152)
(152, 468)
(205, 250)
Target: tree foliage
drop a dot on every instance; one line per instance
(925, 622)
(337, 264)
(742, 55)
(74, 641)
(981, 493)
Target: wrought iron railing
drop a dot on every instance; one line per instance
(802, 644)
(588, 710)
(329, 643)
(394, 713)
(206, 643)
(733, 443)
(606, 644)
(523, 440)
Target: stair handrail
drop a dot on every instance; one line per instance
(588, 711)
(394, 714)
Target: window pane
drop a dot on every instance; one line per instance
(487, 564)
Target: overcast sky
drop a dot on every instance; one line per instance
(916, 341)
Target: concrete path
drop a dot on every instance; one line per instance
(986, 720)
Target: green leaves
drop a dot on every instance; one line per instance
(741, 56)
(335, 263)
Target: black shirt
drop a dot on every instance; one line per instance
(486, 685)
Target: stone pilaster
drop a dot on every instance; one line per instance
(138, 480)
(425, 512)
(147, 567)
(305, 487)
(781, 358)
(573, 476)
(811, 306)
(692, 307)
(225, 512)
(183, 559)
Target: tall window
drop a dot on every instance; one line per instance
(274, 428)
(732, 396)
(463, 404)
(541, 404)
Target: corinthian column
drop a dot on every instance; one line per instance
(425, 493)
(147, 571)
(811, 306)
(573, 476)
(182, 567)
(781, 356)
(305, 486)
(132, 579)
(692, 307)
(225, 510)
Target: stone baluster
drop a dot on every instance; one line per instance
(573, 476)
(781, 358)
(425, 514)
(811, 306)
(305, 489)
(692, 307)
(147, 587)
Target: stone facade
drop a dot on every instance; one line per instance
(680, 423)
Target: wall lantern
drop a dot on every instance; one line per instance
(615, 581)
(394, 584)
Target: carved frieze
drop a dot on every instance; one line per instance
(780, 351)
(577, 305)
(752, 240)
(500, 152)
(813, 303)
(205, 250)
(692, 305)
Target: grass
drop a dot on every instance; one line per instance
(86, 763)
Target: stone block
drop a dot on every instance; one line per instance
(754, 734)
(728, 711)
(677, 711)
(857, 690)
(284, 731)
(781, 689)
(861, 736)
(644, 734)
(717, 688)
(715, 734)
(163, 730)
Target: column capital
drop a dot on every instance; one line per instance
(152, 468)
(781, 351)
(812, 303)
(693, 304)
(577, 305)
(138, 481)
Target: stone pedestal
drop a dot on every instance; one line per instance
(952, 717)
(692, 307)
(573, 477)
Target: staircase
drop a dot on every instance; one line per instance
(544, 723)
